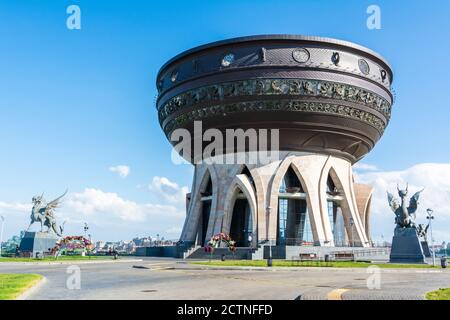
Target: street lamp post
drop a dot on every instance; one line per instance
(1, 234)
(269, 260)
(444, 263)
(86, 228)
(353, 241)
(431, 217)
(90, 241)
(250, 244)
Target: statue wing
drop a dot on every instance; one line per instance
(414, 201)
(393, 201)
(55, 203)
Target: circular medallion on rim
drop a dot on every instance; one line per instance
(227, 60)
(174, 76)
(363, 66)
(301, 55)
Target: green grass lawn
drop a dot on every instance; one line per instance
(60, 258)
(441, 294)
(12, 285)
(288, 263)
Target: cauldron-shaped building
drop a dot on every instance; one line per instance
(330, 101)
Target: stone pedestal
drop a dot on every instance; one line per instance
(426, 249)
(406, 247)
(34, 244)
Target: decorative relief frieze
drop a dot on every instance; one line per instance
(272, 105)
(259, 87)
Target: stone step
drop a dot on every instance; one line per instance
(240, 253)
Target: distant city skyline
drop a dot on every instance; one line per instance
(78, 106)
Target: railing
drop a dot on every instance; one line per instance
(343, 244)
(372, 252)
(336, 256)
(286, 242)
(296, 242)
(185, 243)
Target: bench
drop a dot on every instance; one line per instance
(344, 256)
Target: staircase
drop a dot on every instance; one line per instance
(258, 254)
(239, 254)
(190, 251)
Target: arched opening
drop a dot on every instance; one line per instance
(206, 198)
(293, 223)
(241, 228)
(337, 222)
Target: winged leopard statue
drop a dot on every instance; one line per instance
(405, 215)
(43, 213)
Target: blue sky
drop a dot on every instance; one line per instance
(76, 102)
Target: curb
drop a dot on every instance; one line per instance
(33, 289)
(46, 263)
(309, 269)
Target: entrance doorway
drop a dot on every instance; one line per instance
(241, 222)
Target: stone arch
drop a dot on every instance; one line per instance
(272, 196)
(321, 185)
(363, 196)
(218, 216)
(203, 175)
(348, 207)
(259, 189)
(274, 188)
(352, 199)
(240, 182)
(367, 214)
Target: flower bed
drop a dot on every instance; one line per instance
(218, 239)
(72, 245)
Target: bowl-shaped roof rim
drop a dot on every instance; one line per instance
(282, 37)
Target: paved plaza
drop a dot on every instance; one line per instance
(156, 278)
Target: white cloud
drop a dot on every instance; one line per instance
(108, 205)
(169, 191)
(122, 170)
(365, 167)
(109, 216)
(435, 178)
(16, 206)
(119, 218)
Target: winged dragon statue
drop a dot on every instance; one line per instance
(43, 213)
(405, 215)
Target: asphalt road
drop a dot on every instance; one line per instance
(155, 278)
